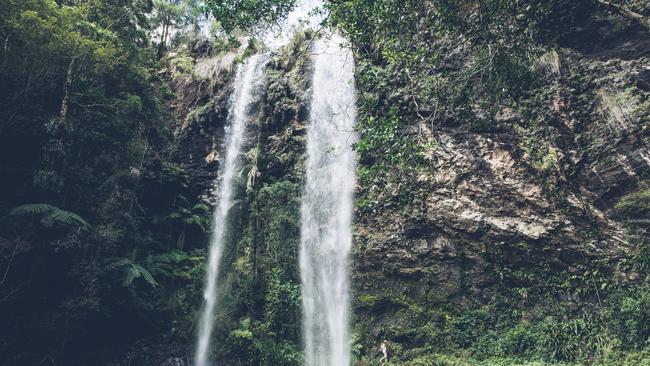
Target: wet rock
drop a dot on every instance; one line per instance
(175, 361)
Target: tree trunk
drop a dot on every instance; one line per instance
(636, 17)
(163, 37)
(180, 242)
(5, 53)
(66, 92)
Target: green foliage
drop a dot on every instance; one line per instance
(503, 333)
(83, 129)
(247, 14)
(261, 304)
(195, 216)
(277, 221)
(635, 204)
(50, 215)
(175, 264)
(422, 64)
(282, 302)
(133, 271)
(519, 340)
(244, 332)
(628, 315)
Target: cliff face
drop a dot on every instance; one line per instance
(499, 241)
(486, 197)
(515, 223)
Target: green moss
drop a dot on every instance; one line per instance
(368, 300)
(182, 65)
(635, 204)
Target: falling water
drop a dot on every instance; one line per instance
(248, 81)
(326, 233)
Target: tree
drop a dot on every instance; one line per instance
(173, 15)
(248, 14)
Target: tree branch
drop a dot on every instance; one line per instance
(633, 16)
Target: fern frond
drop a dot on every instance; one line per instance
(201, 207)
(132, 273)
(51, 215)
(66, 218)
(33, 209)
(182, 274)
(122, 262)
(147, 276)
(135, 271)
(175, 256)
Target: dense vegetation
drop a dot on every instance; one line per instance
(93, 201)
(103, 222)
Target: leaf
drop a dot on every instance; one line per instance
(132, 273)
(201, 207)
(51, 215)
(67, 218)
(177, 256)
(122, 262)
(181, 198)
(32, 209)
(182, 274)
(147, 276)
(162, 272)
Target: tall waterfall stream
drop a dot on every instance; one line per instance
(327, 202)
(326, 232)
(249, 79)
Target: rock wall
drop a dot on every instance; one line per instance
(493, 222)
(520, 217)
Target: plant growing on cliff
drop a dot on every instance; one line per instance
(636, 204)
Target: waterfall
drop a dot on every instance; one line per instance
(326, 232)
(248, 81)
(326, 212)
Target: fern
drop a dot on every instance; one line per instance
(66, 217)
(253, 170)
(133, 271)
(197, 216)
(51, 215)
(200, 207)
(33, 209)
(173, 264)
(175, 256)
(147, 276)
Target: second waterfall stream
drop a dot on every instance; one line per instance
(326, 229)
(327, 200)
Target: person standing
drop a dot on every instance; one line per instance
(384, 351)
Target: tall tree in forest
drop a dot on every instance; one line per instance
(173, 15)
